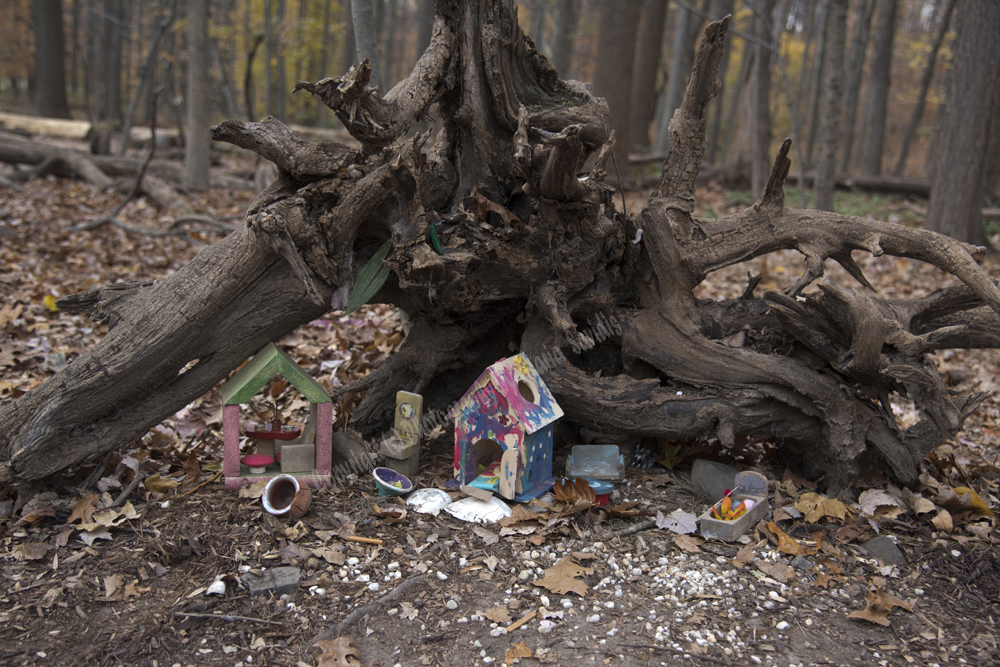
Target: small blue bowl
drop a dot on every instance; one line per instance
(391, 483)
(601, 489)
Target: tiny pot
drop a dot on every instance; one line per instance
(283, 495)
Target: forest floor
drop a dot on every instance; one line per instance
(133, 585)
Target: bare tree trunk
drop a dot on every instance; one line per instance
(832, 98)
(760, 97)
(281, 76)
(350, 53)
(878, 89)
(647, 64)
(616, 59)
(50, 75)
(720, 9)
(268, 54)
(363, 14)
(425, 23)
(956, 201)
(390, 44)
(322, 112)
(567, 15)
(925, 85)
(536, 27)
(196, 154)
(815, 374)
(147, 79)
(859, 45)
(113, 28)
(675, 79)
(819, 62)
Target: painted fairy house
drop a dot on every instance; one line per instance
(503, 431)
(305, 453)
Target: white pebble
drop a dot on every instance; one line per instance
(373, 586)
(451, 604)
(442, 576)
(596, 618)
(783, 625)
(496, 632)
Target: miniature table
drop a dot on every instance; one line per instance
(266, 436)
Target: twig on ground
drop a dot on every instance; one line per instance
(635, 528)
(207, 481)
(227, 617)
(358, 614)
(127, 491)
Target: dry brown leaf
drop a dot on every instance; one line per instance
(792, 482)
(574, 491)
(689, 543)
(943, 521)
(822, 580)
(851, 532)
(744, 555)
(499, 614)
(489, 537)
(339, 652)
(518, 514)
(37, 515)
(192, 470)
(786, 544)
(815, 507)
(254, 490)
(778, 571)
(391, 515)
(161, 484)
(112, 584)
(561, 577)
(537, 539)
(84, 509)
(31, 550)
(516, 652)
(879, 604)
(917, 502)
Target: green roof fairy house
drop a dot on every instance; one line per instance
(305, 453)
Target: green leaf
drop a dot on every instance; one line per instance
(435, 242)
(370, 280)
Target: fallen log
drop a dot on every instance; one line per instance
(76, 164)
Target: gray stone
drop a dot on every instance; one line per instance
(278, 580)
(346, 449)
(800, 562)
(408, 467)
(884, 549)
(713, 478)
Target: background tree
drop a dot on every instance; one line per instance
(613, 71)
(832, 100)
(647, 64)
(564, 30)
(196, 155)
(686, 25)
(50, 77)
(957, 184)
(859, 46)
(925, 85)
(363, 14)
(878, 89)
(760, 98)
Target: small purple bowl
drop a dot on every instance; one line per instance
(391, 483)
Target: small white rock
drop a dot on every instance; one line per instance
(451, 604)
(783, 625)
(595, 618)
(442, 576)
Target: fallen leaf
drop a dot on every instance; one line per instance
(37, 515)
(689, 543)
(786, 544)
(133, 591)
(516, 652)
(84, 509)
(671, 455)
(916, 502)
(339, 652)
(745, 555)
(561, 577)
(331, 556)
(678, 521)
(408, 611)
(111, 584)
(159, 484)
(255, 490)
(88, 536)
(877, 503)
(879, 604)
(518, 514)
(489, 537)
(778, 571)
(500, 614)
(391, 516)
(943, 521)
(574, 491)
(31, 550)
(192, 470)
(976, 504)
(814, 507)
(822, 580)
(851, 532)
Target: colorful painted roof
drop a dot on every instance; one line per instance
(267, 363)
(530, 401)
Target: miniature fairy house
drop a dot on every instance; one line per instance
(503, 431)
(306, 454)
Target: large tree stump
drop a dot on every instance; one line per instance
(533, 250)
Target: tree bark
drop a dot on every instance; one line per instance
(832, 96)
(878, 89)
(113, 29)
(925, 86)
(720, 9)
(50, 75)
(536, 258)
(859, 45)
(196, 154)
(957, 185)
(647, 64)
(817, 83)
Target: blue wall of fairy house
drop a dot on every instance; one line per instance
(507, 414)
